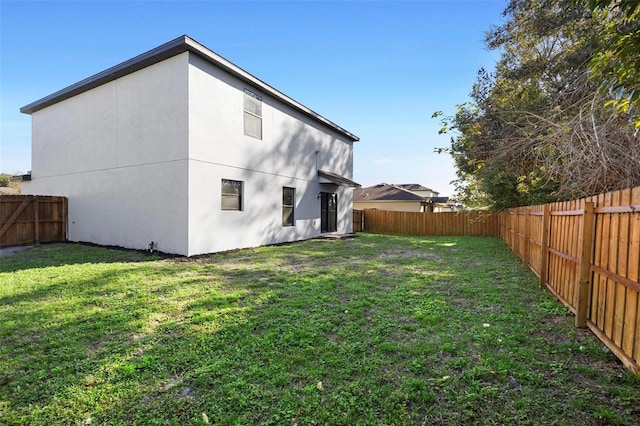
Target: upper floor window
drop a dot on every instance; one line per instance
(252, 114)
(231, 195)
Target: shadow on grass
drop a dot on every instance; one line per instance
(375, 330)
(60, 254)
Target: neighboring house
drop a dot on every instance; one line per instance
(405, 197)
(420, 190)
(182, 151)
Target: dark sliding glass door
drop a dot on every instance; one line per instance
(328, 212)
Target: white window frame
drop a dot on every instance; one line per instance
(226, 196)
(286, 208)
(252, 116)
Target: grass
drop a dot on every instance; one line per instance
(372, 330)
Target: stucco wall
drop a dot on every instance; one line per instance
(291, 151)
(141, 159)
(119, 153)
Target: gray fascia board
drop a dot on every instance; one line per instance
(165, 51)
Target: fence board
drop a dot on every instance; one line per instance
(622, 244)
(28, 219)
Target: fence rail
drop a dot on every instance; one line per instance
(485, 224)
(587, 253)
(28, 219)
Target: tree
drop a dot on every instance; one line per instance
(538, 129)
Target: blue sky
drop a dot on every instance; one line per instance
(377, 68)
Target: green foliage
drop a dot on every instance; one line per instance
(538, 129)
(373, 330)
(5, 179)
(617, 62)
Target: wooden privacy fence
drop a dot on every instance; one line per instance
(485, 224)
(358, 220)
(587, 253)
(28, 219)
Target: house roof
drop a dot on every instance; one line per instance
(172, 48)
(390, 192)
(415, 187)
(439, 200)
(385, 192)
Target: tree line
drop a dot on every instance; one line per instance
(559, 116)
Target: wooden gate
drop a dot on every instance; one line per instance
(358, 220)
(29, 219)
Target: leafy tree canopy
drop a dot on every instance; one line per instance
(538, 129)
(617, 61)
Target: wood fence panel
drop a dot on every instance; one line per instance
(535, 239)
(28, 219)
(589, 257)
(563, 255)
(432, 224)
(358, 216)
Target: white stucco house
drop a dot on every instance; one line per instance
(183, 149)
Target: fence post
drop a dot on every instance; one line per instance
(65, 215)
(36, 220)
(584, 287)
(546, 229)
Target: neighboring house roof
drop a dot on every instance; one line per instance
(439, 200)
(175, 47)
(415, 187)
(385, 192)
(390, 192)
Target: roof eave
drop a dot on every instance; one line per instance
(172, 48)
(336, 179)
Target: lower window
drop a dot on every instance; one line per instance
(231, 194)
(288, 206)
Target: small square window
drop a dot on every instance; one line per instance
(231, 195)
(288, 206)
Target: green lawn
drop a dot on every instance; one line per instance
(372, 330)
